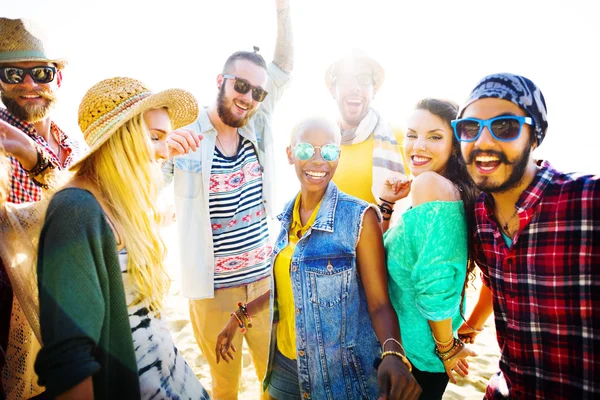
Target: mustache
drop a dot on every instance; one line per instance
(44, 93)
(478, 152)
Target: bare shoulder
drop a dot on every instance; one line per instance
(431, 186)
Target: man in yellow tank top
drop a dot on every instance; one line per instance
(371, 155)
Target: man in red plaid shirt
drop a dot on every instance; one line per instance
(537, 243)
(29, 78)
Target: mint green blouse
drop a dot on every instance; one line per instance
(427, 263)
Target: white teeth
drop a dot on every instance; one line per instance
(355, 101)
(241, 106)
(486, 158)
(315, 174)
(31, 97)
(420, 159)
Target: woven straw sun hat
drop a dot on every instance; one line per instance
(351, 58)
(109, 104)
(21, 40)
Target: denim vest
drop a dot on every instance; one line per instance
(335, 341)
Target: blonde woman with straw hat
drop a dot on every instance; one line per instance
(100, 261)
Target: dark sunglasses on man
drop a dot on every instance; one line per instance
(504, 128)
(16, 75)
(242, 86)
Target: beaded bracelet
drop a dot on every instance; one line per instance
(447, 355)
(244, 311)
(42, 163)
(398, 354)
(240, 322)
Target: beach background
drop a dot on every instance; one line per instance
(428, 49)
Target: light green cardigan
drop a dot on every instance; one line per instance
(427, 263)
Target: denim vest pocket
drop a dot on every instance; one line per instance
(329, 280)
(188, 177)
(358, 374)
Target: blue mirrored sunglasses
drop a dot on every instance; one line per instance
(304, 151)
(504, 128)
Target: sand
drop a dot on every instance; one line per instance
(470, 387)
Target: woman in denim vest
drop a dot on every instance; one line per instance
(428, 252)
(331, 313)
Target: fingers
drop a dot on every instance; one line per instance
(383, 381)
(182, 141)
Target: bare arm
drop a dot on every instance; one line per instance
(17, 144)
(481, 312)
(82, 391)
(225, 347)
(284, 46)
(394, 378)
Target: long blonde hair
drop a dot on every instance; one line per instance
(125, 172)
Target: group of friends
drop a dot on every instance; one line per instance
(355, 298)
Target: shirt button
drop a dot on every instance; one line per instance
(297, 311)
(294, 268)
(301, 353)
(306, 395)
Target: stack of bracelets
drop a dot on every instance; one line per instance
(454, 345)
(243, 318)
(42, 164)
(386, 208)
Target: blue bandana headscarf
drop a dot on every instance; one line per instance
(518, 90)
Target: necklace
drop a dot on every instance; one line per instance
(506, 221)
(223, 147)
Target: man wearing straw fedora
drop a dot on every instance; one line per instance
(371, 165)
(223, 195)
(29, 77)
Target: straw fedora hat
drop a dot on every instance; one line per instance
(351, 58)
(109, 104)
(21, 40)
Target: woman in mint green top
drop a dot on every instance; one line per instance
(428, 249)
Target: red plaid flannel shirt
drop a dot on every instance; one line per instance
(22, 189)
(546, 288)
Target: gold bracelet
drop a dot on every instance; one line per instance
(395, 341)
(398, 354)
(443, 344)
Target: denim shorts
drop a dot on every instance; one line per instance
(284, 382)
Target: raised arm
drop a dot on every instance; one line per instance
(284, 46)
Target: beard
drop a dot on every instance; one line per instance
(515, 177)
(224, 111)
(31, 113)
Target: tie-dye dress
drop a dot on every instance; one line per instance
(163, 372)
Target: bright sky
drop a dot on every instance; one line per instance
(428, 49)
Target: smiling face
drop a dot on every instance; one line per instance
(353, 91)
(29, 100)
(497, 166)
(428, 143)
(235, 109)
(159, 125)
(315, 173)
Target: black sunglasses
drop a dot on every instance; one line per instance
(16, 75)
(242, 86)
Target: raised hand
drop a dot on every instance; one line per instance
(394, 189)
(182, 141)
